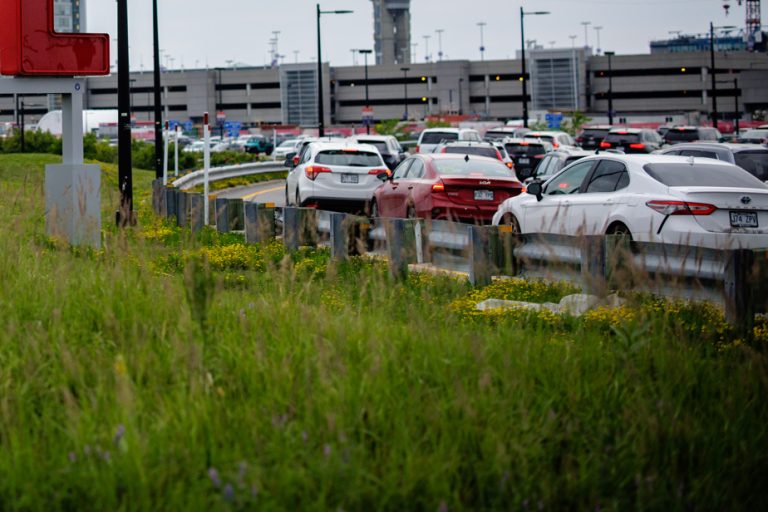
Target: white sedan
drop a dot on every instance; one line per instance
(336, 176)
(651, 198)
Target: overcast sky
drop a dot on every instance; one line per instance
(212, 32)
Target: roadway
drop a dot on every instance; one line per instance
(266, 192)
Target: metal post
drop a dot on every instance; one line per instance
(259, 222)
(291, 228)
(739, 306)
(157, 86)
(523, 77)
(339, 237)
(398, 262)
(405, 93)
(206, 166)
(165, 154)
(23, 129)
(610, 86)
(176, 152)
(712, 69)
(197, 212)
(461, 96)
(737, 112)
(320, 105)
(125, 178)
(367, 98)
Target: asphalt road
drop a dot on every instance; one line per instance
(267, 192)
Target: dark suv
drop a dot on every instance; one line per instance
(678, 134)
(526, 154)
(632, 140)
(753, 158)
(592, 136)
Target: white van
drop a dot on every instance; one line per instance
(433, 137)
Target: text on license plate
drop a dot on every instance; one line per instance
(483, 195)
(743, 220)
(525, 160)
(350, 178)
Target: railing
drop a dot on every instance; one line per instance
(737, 279)
(196, 178)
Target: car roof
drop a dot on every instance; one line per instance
(629, 130)
(545, 133)
(455, 156)
(572, 152)
(642, 159)
(377, 138)
(467, 143)
(731, 146)
(598, 127)
(518, 140)
(341, 146)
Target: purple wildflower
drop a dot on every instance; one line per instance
(214, 476)
(254, 491)
(443, 507)
(119, 434)
(87, 450)
(327, 450)
(72, 457)
(107, 457)
(229, 493)
(304, 436)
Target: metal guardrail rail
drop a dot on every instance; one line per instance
(738, 279)
(193, 179)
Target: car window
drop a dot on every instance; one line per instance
(305, 155)
(402, 170)
(348, 158)
(681, 135)
(754, 162)
(543, 167)
(607, 177)
(470, 166)
(470, 136)
(518, 149)
(622, 138)
(438, 137)
(380, 145)
(472, 150)
(569, 181)
(702, 175)
(698, 153)
(416, 171)
(594, 133)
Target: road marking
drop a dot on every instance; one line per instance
(261, 192)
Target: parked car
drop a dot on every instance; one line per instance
(431, 137)
(759, 136)
(554, 162)
(259, 144)
(752, 158)
(494, 150)
(336, 176)
(504, 155)
(555, 138)
(526, 154)
(591, 136)
(198, 146)
(499, 134)
(289, 146)
(632, 140)
(649, 198)
(445, 186)
(388, 147)
(678, 134)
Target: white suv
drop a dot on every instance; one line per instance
(335, 176)
(433, 137)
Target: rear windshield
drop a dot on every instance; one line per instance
(623, 138)
(438, 137)
(518, 150)
(572, 159)
(687, 175)
(546, 138)
(472, 150)
(593, 132)
(348, 158)
(754, 162)
(380, 145)
(493, 135)
(675, 135)
(462, 167)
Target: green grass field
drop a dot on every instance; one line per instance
(171, 373)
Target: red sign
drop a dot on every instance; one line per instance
(30, 47)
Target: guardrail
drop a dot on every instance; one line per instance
(196, 178)
(737, 279)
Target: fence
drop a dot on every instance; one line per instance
(734, 278)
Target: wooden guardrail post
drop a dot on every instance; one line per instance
(593, 264)
(618, 271)
(235, 214)
(483, 254)
(738, 290)
(197, 212)
(182, 209)
(222, 215)
(259, 222)
(158, 196)
(171, 194)
(339, 236)
(299, 227)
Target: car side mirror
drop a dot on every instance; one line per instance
(383, 176)
(535, 189)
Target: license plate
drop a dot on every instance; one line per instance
(483, 195)
(743, 220)
(350, 178)
(525, 160)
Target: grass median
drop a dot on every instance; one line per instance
(176, 373)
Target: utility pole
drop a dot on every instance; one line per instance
(124, 215)
(482, 25)
(157, 92)
(712, 72)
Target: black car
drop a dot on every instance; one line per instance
(592, 136)
(679, 134)
(526, 154)
(554, 162)
(632, 140)
(388, 146)
(752, 158)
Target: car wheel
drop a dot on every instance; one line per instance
(619, 229)
(510, 220)
(374, 210)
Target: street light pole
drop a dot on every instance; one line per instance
(736, 104)
(712, 72)
(158, 97)
(365, 54)
(405, 86)
(524, 78)
(440, 44)
(125, 178)
(610, 86)
(320, 104)
(482, 25)
(461, 97)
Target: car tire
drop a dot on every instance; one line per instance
(619, 229)
(510, 220)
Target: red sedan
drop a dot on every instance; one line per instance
(447, 187)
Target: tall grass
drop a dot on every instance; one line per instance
(139, 378)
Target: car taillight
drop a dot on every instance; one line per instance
(605, 145)
(681, 208)
(444, 150)
(312, 171)
(511, 165)
(438, 187)
(376, 172)
(637, 146)
(418, 149)
(555, 145)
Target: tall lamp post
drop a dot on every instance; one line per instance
(158, 97)
(320, 104)
(524, 78)
(461, 96)
(482, 25)
(405, 96)
(124, 215)
(610, 86)
(365, 54)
